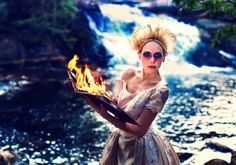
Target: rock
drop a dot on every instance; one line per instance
(33, 93)
(210, 23)
(233, 158)
(11, 48)
(7, 157)
(218, 147)
(206, 55)
(184, 156)
(217, 162)
(24, 47)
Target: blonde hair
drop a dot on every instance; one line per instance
(141, 36)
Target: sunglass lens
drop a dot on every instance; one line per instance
(147, 54)
(158, 55)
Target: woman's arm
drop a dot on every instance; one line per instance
(145, 119)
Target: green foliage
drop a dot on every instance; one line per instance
(227, 32)
(51, 16)
(46, 13)
(68, 8)
(214, 7)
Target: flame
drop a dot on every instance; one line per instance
(85, 80)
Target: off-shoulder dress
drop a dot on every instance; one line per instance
(123, 148)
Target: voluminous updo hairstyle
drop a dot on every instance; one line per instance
(143, 35)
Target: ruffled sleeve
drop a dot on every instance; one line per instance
(157, 99)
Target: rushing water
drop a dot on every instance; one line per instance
(118, 21)
(198, 99)
(55, 127)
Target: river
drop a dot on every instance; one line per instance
(45, 123)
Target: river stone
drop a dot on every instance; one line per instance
(217, 162)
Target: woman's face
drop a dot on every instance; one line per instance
(151, 56)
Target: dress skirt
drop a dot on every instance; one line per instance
(153, 148)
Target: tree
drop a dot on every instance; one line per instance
(214, 7)
(47, 17)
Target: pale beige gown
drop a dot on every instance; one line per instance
(123, 148)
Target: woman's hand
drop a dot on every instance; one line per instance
(98, 108)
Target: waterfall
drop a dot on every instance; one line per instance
(123, 19)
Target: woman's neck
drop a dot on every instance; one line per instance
(150, 76)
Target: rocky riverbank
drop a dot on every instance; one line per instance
(45, 123)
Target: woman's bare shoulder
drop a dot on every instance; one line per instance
(164, 87)
(128, 74)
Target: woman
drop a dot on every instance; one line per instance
(142, 94)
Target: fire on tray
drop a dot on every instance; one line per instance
(85, 81)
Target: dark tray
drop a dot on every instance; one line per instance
(111, 108)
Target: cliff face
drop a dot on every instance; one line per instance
(35, 40)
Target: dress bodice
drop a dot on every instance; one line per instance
(153, 98)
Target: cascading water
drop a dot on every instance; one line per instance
(121, 21)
